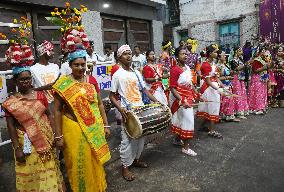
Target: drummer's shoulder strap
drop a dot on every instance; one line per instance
(127, 104)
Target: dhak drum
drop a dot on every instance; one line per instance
(147, 120)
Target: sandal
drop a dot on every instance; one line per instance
(215, 134)
(128, 176)
(139, 164)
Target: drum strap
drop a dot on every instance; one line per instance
(145, 98)
(128, 105)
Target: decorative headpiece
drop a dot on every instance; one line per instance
(267, 56)
(211, 48)
(18, 70)
(76, 54)
(194, 44)
(215, 46)
(45, 47)
(167, 45)
(3, 36)
(73, 32)
(122, 49)
(20, 54)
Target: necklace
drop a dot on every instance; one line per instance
(27, 95)
(82, 80)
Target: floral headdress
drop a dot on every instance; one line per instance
(46, 47)
(73, 32)
(194, 44)
(3, 36)
(19, 53)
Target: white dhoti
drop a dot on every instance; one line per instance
(130, 149)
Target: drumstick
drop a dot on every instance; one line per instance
(233, 95)
(196, 104)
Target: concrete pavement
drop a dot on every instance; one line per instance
(248, 159)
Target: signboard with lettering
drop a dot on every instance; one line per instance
(271, 16)
(102, 74)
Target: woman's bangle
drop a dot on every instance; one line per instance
(17, 147)
(107, 126)
(58, 138)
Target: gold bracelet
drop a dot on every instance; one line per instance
(58, 138)
(18, 147)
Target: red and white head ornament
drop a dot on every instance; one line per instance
(19, 55)
(45, 47)
(73, 39)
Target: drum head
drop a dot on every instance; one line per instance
(133, 126)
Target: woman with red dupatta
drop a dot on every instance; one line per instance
(210, 90)
(153, 76)
(181, 99)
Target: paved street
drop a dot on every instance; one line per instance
(248, 159)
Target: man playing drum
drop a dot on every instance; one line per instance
(125, 82)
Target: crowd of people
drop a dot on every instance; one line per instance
(61, 109)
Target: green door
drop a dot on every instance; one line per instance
(229, 34)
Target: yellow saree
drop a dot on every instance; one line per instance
(86, 148)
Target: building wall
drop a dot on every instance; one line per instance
(144, 10)
(141, 10)
(202, 18)
(93, 27)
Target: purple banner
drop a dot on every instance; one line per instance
(271, 16)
